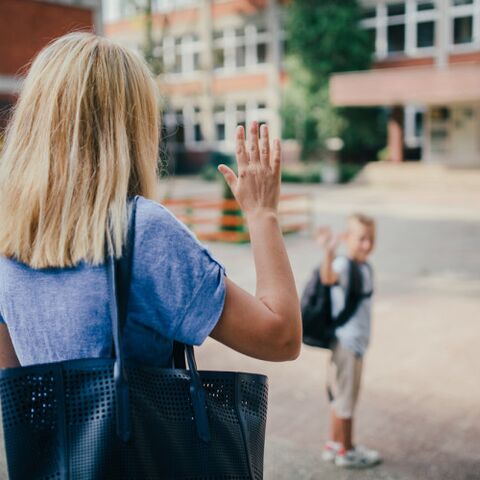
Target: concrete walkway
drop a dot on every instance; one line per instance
(420, 400)
(420, 403)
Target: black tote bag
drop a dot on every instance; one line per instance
(104, 418)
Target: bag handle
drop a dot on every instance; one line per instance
(119, 282)
(120, 273)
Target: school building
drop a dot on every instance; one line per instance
(427, 73)
(220, 64)
(26, 26)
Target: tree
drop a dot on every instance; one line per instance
(145, 8)
(324, 37)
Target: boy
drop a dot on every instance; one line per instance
(352, 338)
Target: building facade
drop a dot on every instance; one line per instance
(427, 72)
(220, 64)
(26, 26)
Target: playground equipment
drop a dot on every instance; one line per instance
(222, 220)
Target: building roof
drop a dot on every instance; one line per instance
(399, 86)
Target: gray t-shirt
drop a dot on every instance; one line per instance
(355, 334)
(177, 293)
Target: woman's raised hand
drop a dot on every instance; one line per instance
(267, 325)
(257, 186)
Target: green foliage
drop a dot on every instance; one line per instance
(383, 155)
(301, 176)
(324, 37)
(348, 172)
(365, 130)
(308, 115)
(217, 158)
(210, 173)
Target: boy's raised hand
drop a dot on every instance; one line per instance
(327, 239)
(257, 186)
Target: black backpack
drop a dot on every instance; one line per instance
(318, 323)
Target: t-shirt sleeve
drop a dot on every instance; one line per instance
(340, 267)
(1, 319)
(178, 288)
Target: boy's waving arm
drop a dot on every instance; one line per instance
(329, 242)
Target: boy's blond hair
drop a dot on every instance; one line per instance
(84, 136)
(362, 219)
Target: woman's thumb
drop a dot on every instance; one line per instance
(228, 174)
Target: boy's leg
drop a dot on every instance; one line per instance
(343, 428)
(344, 393)
(343, 386)
(334, 430)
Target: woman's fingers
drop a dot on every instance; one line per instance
(264, 146)
(253, 137)
(241, 149)
(229, 176)
(277, 157)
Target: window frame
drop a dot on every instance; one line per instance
(229, 42)
(459, 11)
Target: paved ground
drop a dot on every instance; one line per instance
(420, 404)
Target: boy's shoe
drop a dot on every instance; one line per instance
(359, 457)
(330, 450)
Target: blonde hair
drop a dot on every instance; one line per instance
(362, 219)
(84, 136)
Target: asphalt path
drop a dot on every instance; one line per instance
(420, 398)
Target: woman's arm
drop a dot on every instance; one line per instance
(267, 325)
(8, 358)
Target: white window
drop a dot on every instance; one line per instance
(240, 48)
(224, 53)
(262, 44)
(402, 28)
(191, 48)
(413, 122)
(220, 123)
(425, 17)
(396, 21)
(218, 50)
(169, 5)
(197, 125)
(181, 54)
(193, 125)
(115, 10)
(174, 125)
(234, 113)
(373, 22)
(241, 114)
(465, 24)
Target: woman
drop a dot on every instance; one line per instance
(83, 138)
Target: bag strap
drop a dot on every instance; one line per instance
(120, 280)
(353, 295)
(119, 275)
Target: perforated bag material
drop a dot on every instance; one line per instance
(59, 423)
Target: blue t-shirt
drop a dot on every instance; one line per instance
(177, 293)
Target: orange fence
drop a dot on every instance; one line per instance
(222, 220)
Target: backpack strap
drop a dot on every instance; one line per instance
(353, 295)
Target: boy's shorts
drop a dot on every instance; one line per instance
(343, 380)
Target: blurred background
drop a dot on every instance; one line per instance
(377, 103)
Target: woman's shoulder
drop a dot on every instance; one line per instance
(155, 224)
(150, 210)
(153, 218)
